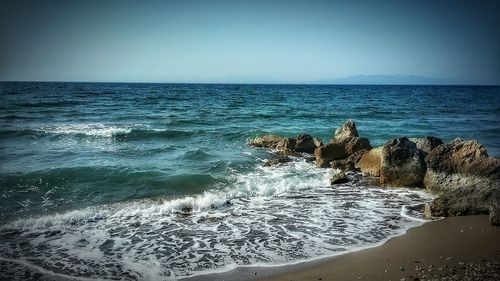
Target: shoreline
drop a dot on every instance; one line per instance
(452, 247)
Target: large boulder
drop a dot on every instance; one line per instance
(466, 179)
(426, 144)
(270, 141)
(402, 163)
(461, 201)
(346, 132)
(460, 163)
(329, 152)
(370, 162)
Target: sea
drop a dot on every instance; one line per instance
(138, 181)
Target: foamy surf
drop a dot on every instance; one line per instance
(92, 129)
(267, 216)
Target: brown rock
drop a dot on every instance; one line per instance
(339, 178)
(349, 164)
(402, 163)
(343, 165)
(329, 152)
(462, 201)
(356, 144)
(356, 156)
(467, 180)
(348, 136)
(289, 153)
(267, 141)
(279, 160)
(287, 144)
(427, 144)
(370, 162)
(318, 142)
(302, 143)
(460, 163)
(346, 132)
(305, 143)
(459, 156)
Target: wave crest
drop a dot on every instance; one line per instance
(94, 130)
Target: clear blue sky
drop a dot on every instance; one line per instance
(248, 41)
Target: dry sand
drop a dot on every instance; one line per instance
(456, 248)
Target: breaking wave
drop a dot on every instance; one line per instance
(97, 130)
(270, 215)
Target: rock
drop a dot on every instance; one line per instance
(467, 180)
(346, 132)
(267, 141)
(339, 178)
(364, 180)
(402, 163)
(290, 153)
(287, 144)
(426, 144)
(318, 142)
(370, 162)
(305, 143)
(348, 136)
(349, 164)
(494, 209)
(356, 156)
(356, 144)
(322, 163)
(279, 160)
(343, 165)
(329, 152)
(462, 201)
(302, 143)
(461, 163)
(285, 148)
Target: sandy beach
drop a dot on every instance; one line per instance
(457, 248)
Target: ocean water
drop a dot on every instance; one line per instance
(156, 181)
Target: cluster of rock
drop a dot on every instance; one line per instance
(466, 179)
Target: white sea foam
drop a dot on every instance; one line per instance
(92, 129)
(269, 216)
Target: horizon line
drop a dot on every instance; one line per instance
(248, 83)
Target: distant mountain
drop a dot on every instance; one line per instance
(385, 79)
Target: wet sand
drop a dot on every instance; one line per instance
(456, 248)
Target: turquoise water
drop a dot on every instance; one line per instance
(148, 181)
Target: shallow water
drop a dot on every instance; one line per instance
(149, 181)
